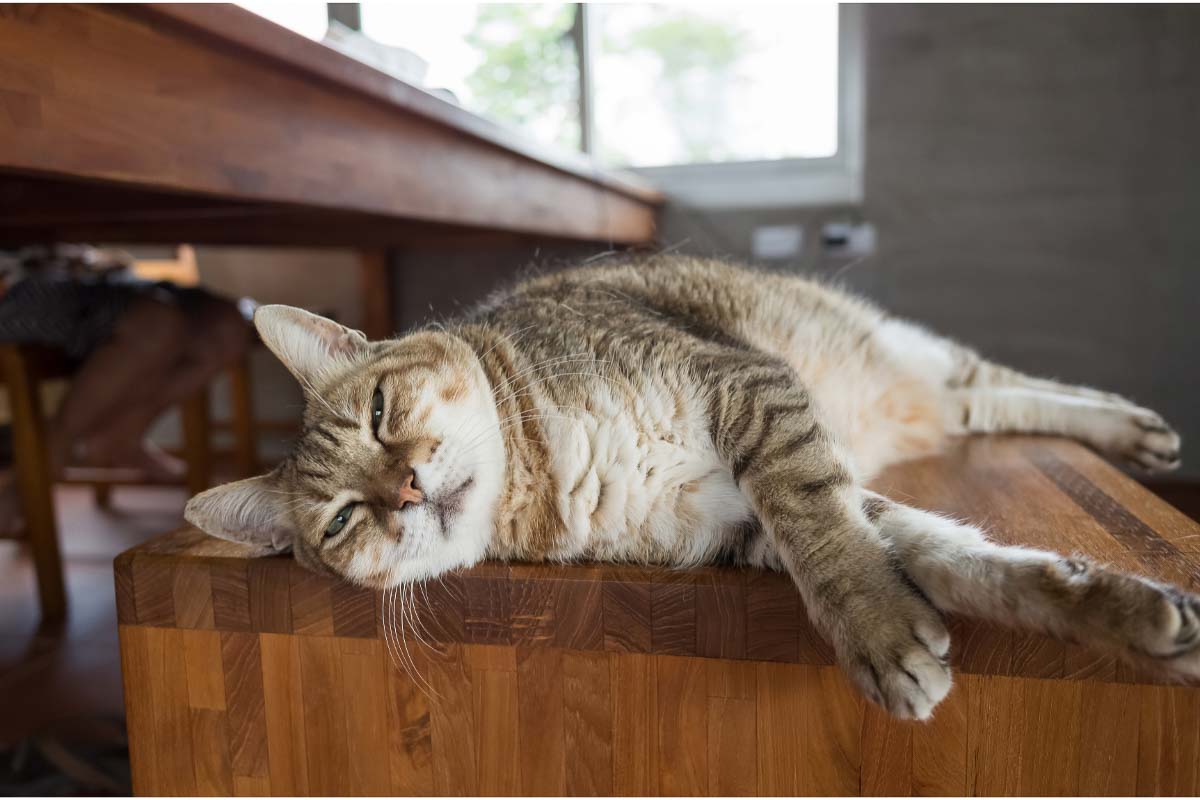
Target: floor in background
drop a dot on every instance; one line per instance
(49, 677)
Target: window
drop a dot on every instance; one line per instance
(718, 104)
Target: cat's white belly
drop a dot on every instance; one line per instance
(642, 484)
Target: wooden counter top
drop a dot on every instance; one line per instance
(1039, 492)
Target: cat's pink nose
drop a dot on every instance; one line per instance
(408, 492)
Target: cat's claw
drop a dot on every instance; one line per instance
(904, 667)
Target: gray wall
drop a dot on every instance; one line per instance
(1034, 176)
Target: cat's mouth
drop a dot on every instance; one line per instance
(448, 505)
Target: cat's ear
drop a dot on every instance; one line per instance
(311, 347)
(251, 512)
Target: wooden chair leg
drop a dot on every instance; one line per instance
(32, 465)
(241, 409)
(375, 275)
(196, 451)
(102, 495)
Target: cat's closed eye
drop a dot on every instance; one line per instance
(376, 410)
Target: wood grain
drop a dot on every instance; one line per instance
(545, 680)
(402, 155)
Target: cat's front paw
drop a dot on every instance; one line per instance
(899, 658)
(1141, 438)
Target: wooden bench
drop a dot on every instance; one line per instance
(252, 676)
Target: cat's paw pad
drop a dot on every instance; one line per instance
(1143, 439)
(906, 670)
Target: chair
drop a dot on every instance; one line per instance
(23, 371)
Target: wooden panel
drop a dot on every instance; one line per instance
(205, 676)
(137, 681)
(353, 610)
(541, 709)
(269, 593)
(453, 724)
(721, 620)
(634, 688)
(673, 619)
(773, 619)
(1108, 740)
(939, 747)
(123, 587)
(1049, 735)
(682, 726)
(284, 699)
(365, 694)
(587, 723)
(1169, 741)
(486, 611)
(579, 615)
(732, 727)
(192, 596)
(327, 750)
(153, 592)
(627, 617)
(533, 607)
(210, 749)
(887, 754)
(832, 734)
(312, 603)
(171, 715)
(780, 707)
(497, 732)
(410, 748)
(994, 721)
(241, 658)
(231, 596)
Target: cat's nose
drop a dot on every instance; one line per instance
(408, 493)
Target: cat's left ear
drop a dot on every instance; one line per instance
(253, 512)
(311, 347)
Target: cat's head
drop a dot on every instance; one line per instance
(399, 465)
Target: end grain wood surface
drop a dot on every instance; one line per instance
(589, 679)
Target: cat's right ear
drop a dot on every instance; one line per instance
(311, 347)
(250, 512)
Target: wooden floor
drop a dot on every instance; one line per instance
(50, 676)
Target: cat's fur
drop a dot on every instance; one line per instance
(674, 411)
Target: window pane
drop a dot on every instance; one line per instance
(305, 18)
(512, 62)
(714, 82)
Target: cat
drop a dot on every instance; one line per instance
(675, 411)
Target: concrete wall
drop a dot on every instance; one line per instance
(1033, 175)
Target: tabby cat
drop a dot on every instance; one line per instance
(675, 411)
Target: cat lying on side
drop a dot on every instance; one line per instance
(676, 411)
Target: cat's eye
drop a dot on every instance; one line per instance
(376, 410)
(339, 522)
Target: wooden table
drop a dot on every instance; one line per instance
(209, 124)
(253, 676)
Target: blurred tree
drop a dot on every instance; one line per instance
(695, 59)
(529, 76)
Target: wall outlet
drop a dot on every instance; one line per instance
(777, 242)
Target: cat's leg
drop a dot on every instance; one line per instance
(988, 398)
(961, 572)
(887, 636)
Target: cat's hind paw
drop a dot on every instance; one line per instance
(1141, 438)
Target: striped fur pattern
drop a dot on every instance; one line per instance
(675, 411)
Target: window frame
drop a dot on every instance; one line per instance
(775, 183)
(786, 182)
